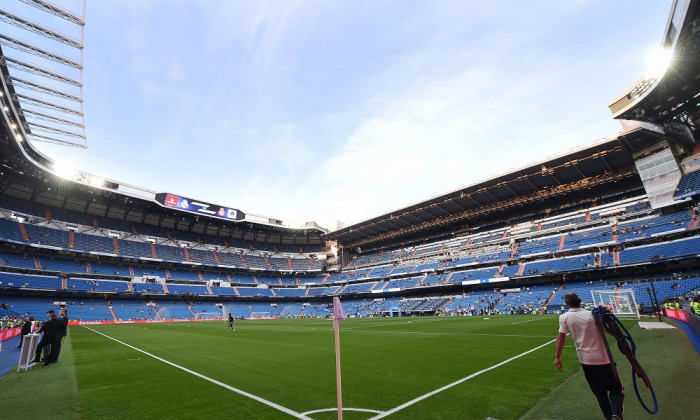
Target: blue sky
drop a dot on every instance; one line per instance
(344, 110)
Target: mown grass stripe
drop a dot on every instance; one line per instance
(206, 378)
(455, 383)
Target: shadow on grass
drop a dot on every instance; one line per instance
(43, 391)
(669, 360)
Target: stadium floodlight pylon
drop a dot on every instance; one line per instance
(620, 302)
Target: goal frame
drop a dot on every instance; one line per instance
(621, 302)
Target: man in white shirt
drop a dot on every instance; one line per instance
(593, 355)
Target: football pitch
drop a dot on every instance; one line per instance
(394, 368)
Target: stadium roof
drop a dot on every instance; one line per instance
(660, 98)
(599, 165)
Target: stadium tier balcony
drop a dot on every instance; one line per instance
(289, 281)
(148, 288)
(176, 274)
(223, 291)
(213, 276)
(134, 249)
(290, 291)
(649, 227)
(202, 256)
(662, 251)
(241, 279)
(18, 261)
(174, 310)
(27, 306)
(89, 310)
(204, 310)
(170, 253)
(187, 289)
(46, 236)
(105, 268)
(402, 283)
(359, 288)
(472, 275)
(238, 310)
(472, 303)
(263, 309)
(510, 270)
(525, 300)
(134, 309)
(94, 285)
(324, 291)
(561, 264)
(25, 281)
(689, 185)
(93, 243)
(290, 310)
(149, 272)
(254, 291)
(64, 266)
(10, 230)
(537, 246)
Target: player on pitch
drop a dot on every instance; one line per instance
(230, 323)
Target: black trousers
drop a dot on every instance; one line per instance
(58, 350)
(47, 357)
(606, 388)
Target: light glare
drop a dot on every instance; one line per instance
(658, 61)
(63, 170)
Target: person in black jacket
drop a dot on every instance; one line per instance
(26, 329)
(64, 318)
(53, 332)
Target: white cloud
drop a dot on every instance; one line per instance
(318, 110)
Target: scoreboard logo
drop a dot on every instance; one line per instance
(171, 200)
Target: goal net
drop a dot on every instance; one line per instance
(620, 302)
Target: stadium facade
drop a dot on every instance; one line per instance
(621, 209)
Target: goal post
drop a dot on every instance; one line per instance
(620, 302)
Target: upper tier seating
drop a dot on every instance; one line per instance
(689, 185)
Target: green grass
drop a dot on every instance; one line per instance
(386, 363)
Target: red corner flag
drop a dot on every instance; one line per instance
(338, 317)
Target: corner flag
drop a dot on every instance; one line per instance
(338, 314)
(338, 317)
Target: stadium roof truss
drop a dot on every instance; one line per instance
(674, 93)
(596, 165)
(41, 58)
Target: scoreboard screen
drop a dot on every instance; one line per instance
(198, 207)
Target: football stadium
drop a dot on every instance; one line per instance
(448, 308)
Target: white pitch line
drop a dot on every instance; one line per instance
(466, 378)
(453, 334)
(325, 410)
(206, 378)
(529, 320)
(411, 321)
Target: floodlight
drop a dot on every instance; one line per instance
(96, 181)
(19, 137)
(657, 62)
(63, 170)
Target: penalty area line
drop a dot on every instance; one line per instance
(455, 383)
(206, 378)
